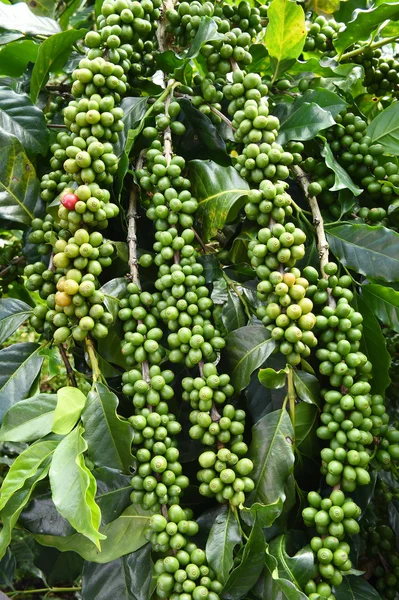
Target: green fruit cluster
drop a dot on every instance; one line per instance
(335, 515)
(381, 74)
(321, 33)
(239, 25)
(11, 261)
(270, 201)
(381, 547)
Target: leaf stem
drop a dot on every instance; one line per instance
(41, 590)
(93, 359)
(291, 395)
(357, 51)
(15, 261)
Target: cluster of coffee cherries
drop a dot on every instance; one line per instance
(333, 562)
(381, 549)
(270, 201)
(381, 73)
(11, 260)
(185, 574)
(239, 25)
(388, 446)
(321, 33)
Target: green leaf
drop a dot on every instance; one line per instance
(14, 57)
(285, 33)
(204, 129)
(12, 510)
(384, 302)
(108, 436)
(356, 587)
(303, 122)
(306, 423)
(299, 568)
(8, 564)
(265, 514)
(364, 23)
(384, 129)
(19, 186)
(134, 110)
(245, 575)
(274, 587)
(52, 56)
(12, 314)
(70, 403)
(370, 251)
(307, 387)
(222, 539)
(114, 290)
(29, 419)
(42, 8)
(342, 179)
(18, 17)
(373, 344)
(20, 364)
(74, 487)
(126, 578)
(206, 32)
(247, 349)
(19, 117)
(124, 535)
(113, 493)
(24, 467)
(272, 452)
(220, 192)
(273, 379)
(232, 314)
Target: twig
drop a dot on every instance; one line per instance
(67, 364)
(55, 126)
(291, 395)
(199, 240)
(322, 244)
(15, 261)
(49, 590)
(222, 116)
(162, 34)
(93, 359)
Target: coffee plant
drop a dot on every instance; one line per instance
(199, 313)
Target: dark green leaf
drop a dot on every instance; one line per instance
(307, 387)
(19, 186)
(108, 436)
(14, 57)
(113, 291)
(223, 537)
(356, 588)
(373, 344)
(306, 423)
(272, 452)
(273, 379)
(203, 127)
(232, 314)
(42, 8)
(370, 251)
(126, 578)
(304, 122)
(220, 192)
(113, 493)
(29, 419)
(244, 577)
(265, 514)
(384, 302)
(342, 179)
(19, 117)
(73, 487)
(12, 314)
(247, 349)
(18, 17)
(364, 23)
(285, 33)
(384, 129)
(52, 56)
(8, 565)
(123, 536)
(134, 110)
(299, 568)
(207, 32)
(20, 364)
(393, 513)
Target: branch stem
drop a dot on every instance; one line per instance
(67, 364)
(291, 395)
(322, 244)
(42, 590)
(93, 359)
(378, 44)
(15, 261)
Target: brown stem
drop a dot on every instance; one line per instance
(55, 126)
(67, 364)
(222, 116)
(132, 229)
(322, 244)
(199, 240)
